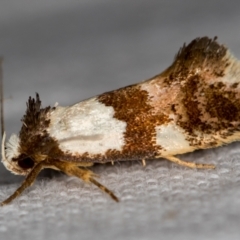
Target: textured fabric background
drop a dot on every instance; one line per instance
(69, 50)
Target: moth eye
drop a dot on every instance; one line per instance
(26, 163)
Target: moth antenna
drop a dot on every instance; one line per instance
(1, 97)
(3, 134)
(3, 147)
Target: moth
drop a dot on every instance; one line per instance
(193, 104)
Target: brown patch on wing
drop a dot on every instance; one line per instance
(209, 109)
(131, 105)
(208, 106)
(192, 90)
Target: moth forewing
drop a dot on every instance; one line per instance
(194, 104)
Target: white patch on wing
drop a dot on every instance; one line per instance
(88, 126)
(172, 139)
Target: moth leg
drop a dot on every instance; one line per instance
(27, 182)
(189, 164)
(84, 174)
(144, 162)
(85, 164)
(103, 188)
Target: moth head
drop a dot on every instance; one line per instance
(15, 161)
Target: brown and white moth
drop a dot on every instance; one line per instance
(193, 104)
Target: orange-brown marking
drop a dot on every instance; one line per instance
(131, 105)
